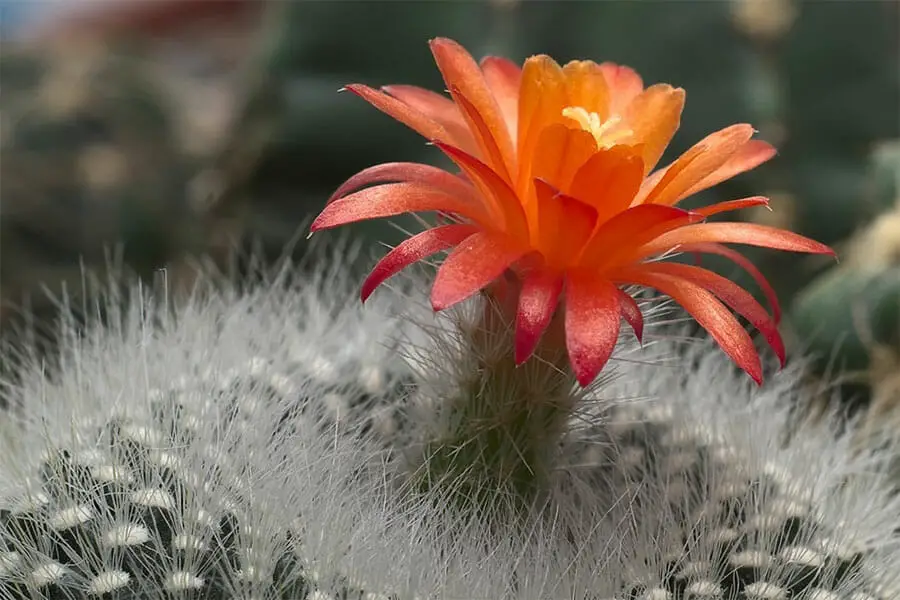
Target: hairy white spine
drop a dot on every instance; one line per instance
(249, 443)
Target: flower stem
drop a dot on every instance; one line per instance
(502, 429)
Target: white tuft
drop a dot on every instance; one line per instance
(70, 517)
(47, 573)
(126, 535)
(108, 582)
(184, 581)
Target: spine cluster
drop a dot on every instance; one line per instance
(279, 444)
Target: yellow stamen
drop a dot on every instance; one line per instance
(606, 133)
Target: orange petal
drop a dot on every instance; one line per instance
(409, 116)
(632, 314)
(703, 306)
(537, 303)
(412, 250)
(462, 73)
(564, 224)
(654, 116)
(475, 263)
(745, 264)
(733, 295)
(410, 173)
(750, 234)
(495, 192)
(586, 87)
(616, 240)
(649, 184)
(592, 324)
(560, 152)
(609, 180)
(394, 199)
(490, 151)
(731, 205)
(440, 109)
(624, 85)
(503, 76)
(541, 101)
(749, 156)
(699, 162)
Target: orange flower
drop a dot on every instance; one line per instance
(558, 185)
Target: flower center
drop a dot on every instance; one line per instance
(606, 133)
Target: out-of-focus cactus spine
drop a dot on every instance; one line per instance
(850, 316)
(95, 180)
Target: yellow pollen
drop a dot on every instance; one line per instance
(606, 133)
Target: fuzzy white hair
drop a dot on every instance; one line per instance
(245, 445)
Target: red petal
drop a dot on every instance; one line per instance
(490, 150)
(748, 266)
(507, 210)
(435, 106)
(409, 173)
(750, 234)
(537, 303)
(733, 295)
(463, 77)
(731, 205)
(413, 250)
(592, 324)
(473, 264)
(503, 77)
(703, 306)
(394, 199)
(632, 314)
(412, 118)
(620, 236)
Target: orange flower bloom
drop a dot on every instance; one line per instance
(557, 184)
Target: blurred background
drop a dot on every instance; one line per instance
(141, 136)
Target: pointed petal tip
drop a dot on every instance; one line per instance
(316, 226)
(825, 250)
(524, 350)
(354, 88)
(440, 301)
(445, 44)
(368, 288)
(753, 368)
(586, 374)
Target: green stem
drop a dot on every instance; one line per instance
(503, 428)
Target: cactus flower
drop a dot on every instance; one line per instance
(559, 185)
